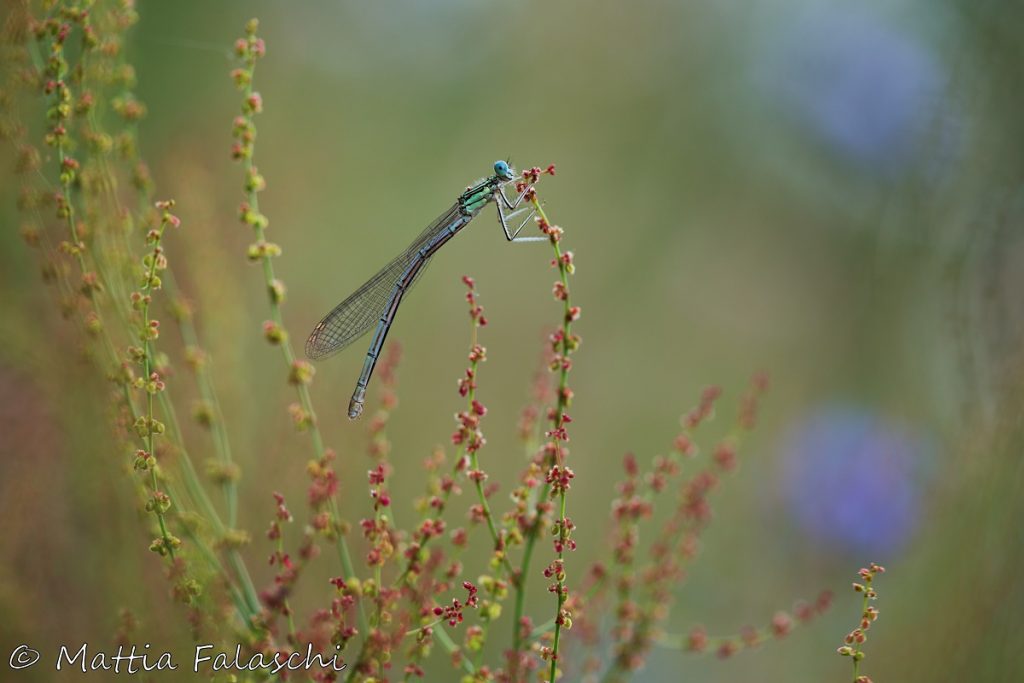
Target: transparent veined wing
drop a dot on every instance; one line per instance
(354, 316)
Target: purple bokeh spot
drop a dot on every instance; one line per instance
(852, 480)
(867, 90)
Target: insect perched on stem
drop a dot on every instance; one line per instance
(378, 299)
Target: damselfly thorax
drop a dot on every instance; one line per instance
(376, 303)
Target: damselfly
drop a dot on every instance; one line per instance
(377, 301)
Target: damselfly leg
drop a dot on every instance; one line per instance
(503, 218)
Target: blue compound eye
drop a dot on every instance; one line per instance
(501, 169)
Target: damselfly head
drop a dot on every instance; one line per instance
(503, 170)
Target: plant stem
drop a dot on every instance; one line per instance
(566, 346)
(208, 393)
(475, 463)
(274, 298)
(856, 660)
(147, 365)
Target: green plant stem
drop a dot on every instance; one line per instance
(445, 497)
(863, 611)
(561, 602)
(302, 390)
(245, 609)
(195, 489)
(475, 463)
(378, 577)
(484, 504)
(79, 248)
(147, 365)
(615, 668)
(520, 587)
(192, 480)
(112, 356)
(208, 393)
(451, 648)
(531, 539)
(559, 415)
(460, 453)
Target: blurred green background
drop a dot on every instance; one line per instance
(828, 191)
